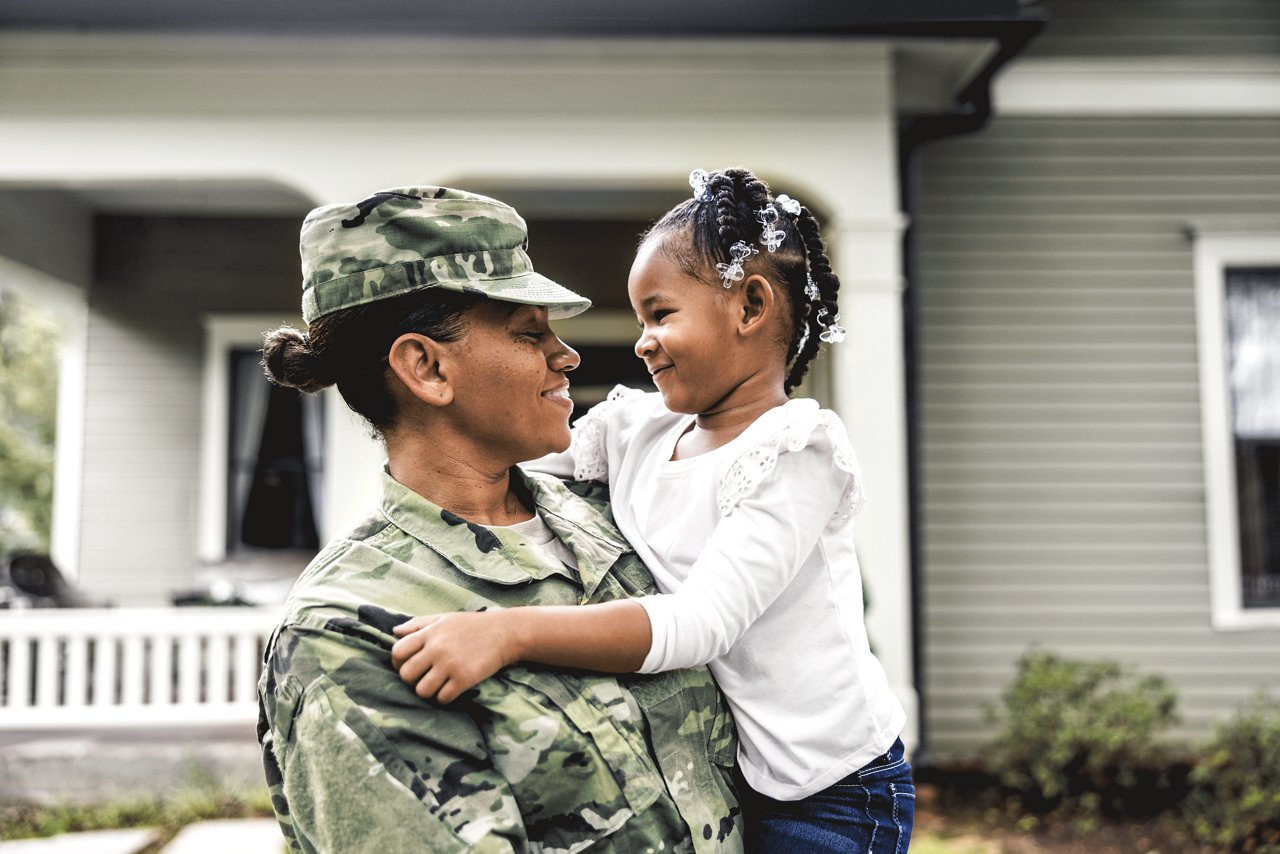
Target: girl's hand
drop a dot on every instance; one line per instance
(445, 654)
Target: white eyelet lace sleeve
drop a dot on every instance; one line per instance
(590, 451)
(750, 469)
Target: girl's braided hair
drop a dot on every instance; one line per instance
(729, 216)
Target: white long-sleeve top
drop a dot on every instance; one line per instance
(752, 547)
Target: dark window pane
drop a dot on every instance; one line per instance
(278, 513)
(272, 479)
(1253, 360)
(1258, 487)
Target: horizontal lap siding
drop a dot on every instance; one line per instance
(141, 454)
(1061, 476)
(1165, 29)
(156, 280)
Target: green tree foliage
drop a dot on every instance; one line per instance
(28, 402)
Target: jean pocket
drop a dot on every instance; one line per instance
(904, 814)
(891, 766)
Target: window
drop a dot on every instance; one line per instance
(1238, 324)
(261, 492)
(274, 462)
(1253, 370)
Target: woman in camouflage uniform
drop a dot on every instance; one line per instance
(424, 309)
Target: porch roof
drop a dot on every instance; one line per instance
(547, 18)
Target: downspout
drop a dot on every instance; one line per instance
(973, 111)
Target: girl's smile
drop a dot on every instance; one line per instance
(687, 339)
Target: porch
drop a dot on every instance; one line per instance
(103, 705)
(66, 669)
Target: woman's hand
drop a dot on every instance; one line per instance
(445, 654)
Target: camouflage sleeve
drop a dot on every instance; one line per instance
(364, 765)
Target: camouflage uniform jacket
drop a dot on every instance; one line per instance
(529, 760)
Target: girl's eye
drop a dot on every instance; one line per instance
(661, 313)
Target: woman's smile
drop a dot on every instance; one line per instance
(559, 395)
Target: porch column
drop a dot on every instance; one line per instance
(869, 392)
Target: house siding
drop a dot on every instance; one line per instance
(1062, 501)
(156, 279)
(1164, 29)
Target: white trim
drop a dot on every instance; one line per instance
(869, 393)
(67, 306)
(68, 457)
(115, 75)
(1214, 254)
(598, 326)
(1085, 87)
(222, 332)
(353, 462)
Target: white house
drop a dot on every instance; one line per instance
(154, 170)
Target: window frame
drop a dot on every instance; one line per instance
(223, 333)
(1218, 249)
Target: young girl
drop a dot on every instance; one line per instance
(741, 501)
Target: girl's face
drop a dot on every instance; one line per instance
(511, 392)
(687, 336)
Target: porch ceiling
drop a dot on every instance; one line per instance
(711, 18)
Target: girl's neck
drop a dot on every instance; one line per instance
(730, 416)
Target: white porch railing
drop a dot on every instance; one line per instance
(77, 668)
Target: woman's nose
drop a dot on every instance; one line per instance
(565, 358)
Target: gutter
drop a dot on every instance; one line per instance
(972, 112)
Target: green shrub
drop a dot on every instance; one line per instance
(1234, 801)
(1081, 737)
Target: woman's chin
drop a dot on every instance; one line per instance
(556, 446)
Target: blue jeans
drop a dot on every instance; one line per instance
(870, 812)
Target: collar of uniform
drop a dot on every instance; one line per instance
(495, 555)
(589, 534)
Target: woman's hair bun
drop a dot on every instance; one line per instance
(288, 360)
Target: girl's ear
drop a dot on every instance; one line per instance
(759, 304)
(421, 364)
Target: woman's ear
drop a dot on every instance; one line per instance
(759, 304)
(421, 364)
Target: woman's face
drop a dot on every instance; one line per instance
(511, 392)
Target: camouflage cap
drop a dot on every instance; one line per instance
(412, 238)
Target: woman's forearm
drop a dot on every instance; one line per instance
(611, 637)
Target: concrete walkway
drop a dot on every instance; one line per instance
(119, 765)
(106, 766)
(242, 836)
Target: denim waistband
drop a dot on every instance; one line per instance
(892, 763)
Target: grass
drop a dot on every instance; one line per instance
(202, 799)
(211, 801)
(949, 827)
(928, 842)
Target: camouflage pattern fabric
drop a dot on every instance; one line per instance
(411, 238)
(530, 760)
